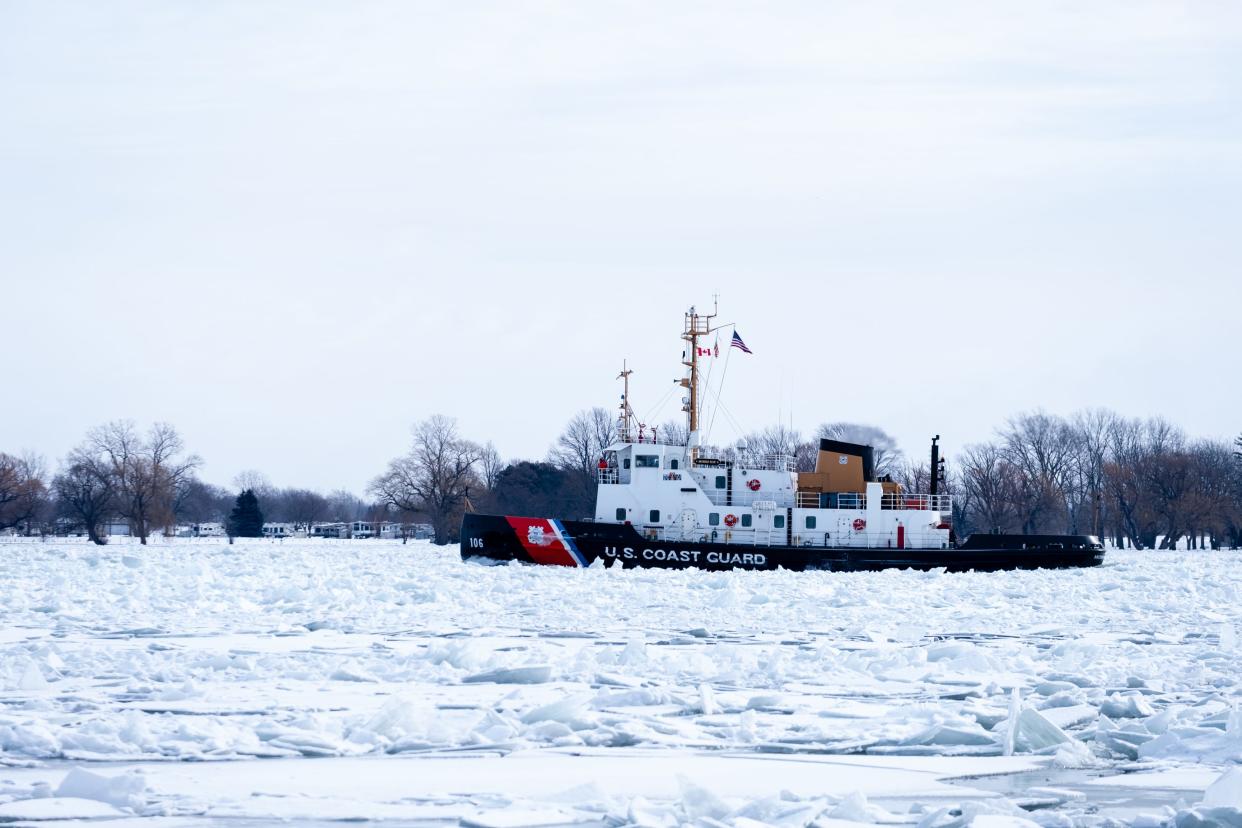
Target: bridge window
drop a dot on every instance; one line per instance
(745, 520)
(655, 516)
(714, 519)
(672, 464)
(647, 461)
(810, 521)
(620, 513)
(720, 481)
(778, 521)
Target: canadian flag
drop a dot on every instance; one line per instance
(707, 352)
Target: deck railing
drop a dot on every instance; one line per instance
(780, 537)
(927, 502)
(720, 497)
(858, 501)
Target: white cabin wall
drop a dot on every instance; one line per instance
(659, 487)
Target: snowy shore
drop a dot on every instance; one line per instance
(432, 689)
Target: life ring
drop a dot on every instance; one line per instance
(730, 520)
(859, 524)
(753, 484)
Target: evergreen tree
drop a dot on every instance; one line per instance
(246, 519)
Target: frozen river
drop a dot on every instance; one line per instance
(193, 682)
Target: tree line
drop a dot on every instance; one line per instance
(147, 480)
(1142, 483)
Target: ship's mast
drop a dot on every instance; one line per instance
(697, 325)
(625, 421)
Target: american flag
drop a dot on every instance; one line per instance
(738, 343)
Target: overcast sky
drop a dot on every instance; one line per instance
(294, 229)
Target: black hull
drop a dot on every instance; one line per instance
(581, 543)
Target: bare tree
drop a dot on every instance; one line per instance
(583, 441)
(913, 477)
(777, 439)
(490, 465)
(148, 471)
(886, 454)
(1042, 448)
(344, 505)
(1092, 428)
(991, 484)
(255, 481)
(1233, 517)
(674, 432)
(85, 493)
(302, 506)
(1210, 507)
(201, 502)
(435, 477)
(23, 493)
(1144, 478)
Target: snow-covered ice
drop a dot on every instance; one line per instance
(192, 680)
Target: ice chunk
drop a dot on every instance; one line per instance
(1207, 818)
(635, 653)
(951, 734)
(568, 710)
(345, 673)
(1030, 732)
(1228, 638)
(1069, 716)
(519, 818)
(698, 802)
(1131, 706)
(943, 650)
(646, 814)
(126, 790)
(977, 813)
(32, 678)
(1009, 742)
(856, 808)
(535, 674)
(764, 702)
(1225, 792)
(307, 743)
(65, 808)
(400, 716)
(707, 700)
(1073, 754)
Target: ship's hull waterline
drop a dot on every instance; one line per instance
(581, 543)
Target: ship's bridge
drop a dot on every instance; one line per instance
(642, 461)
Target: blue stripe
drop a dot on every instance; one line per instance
(569, 542)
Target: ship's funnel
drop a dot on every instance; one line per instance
(831, 450)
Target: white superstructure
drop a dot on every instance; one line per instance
(674, 491)
(667, 493)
